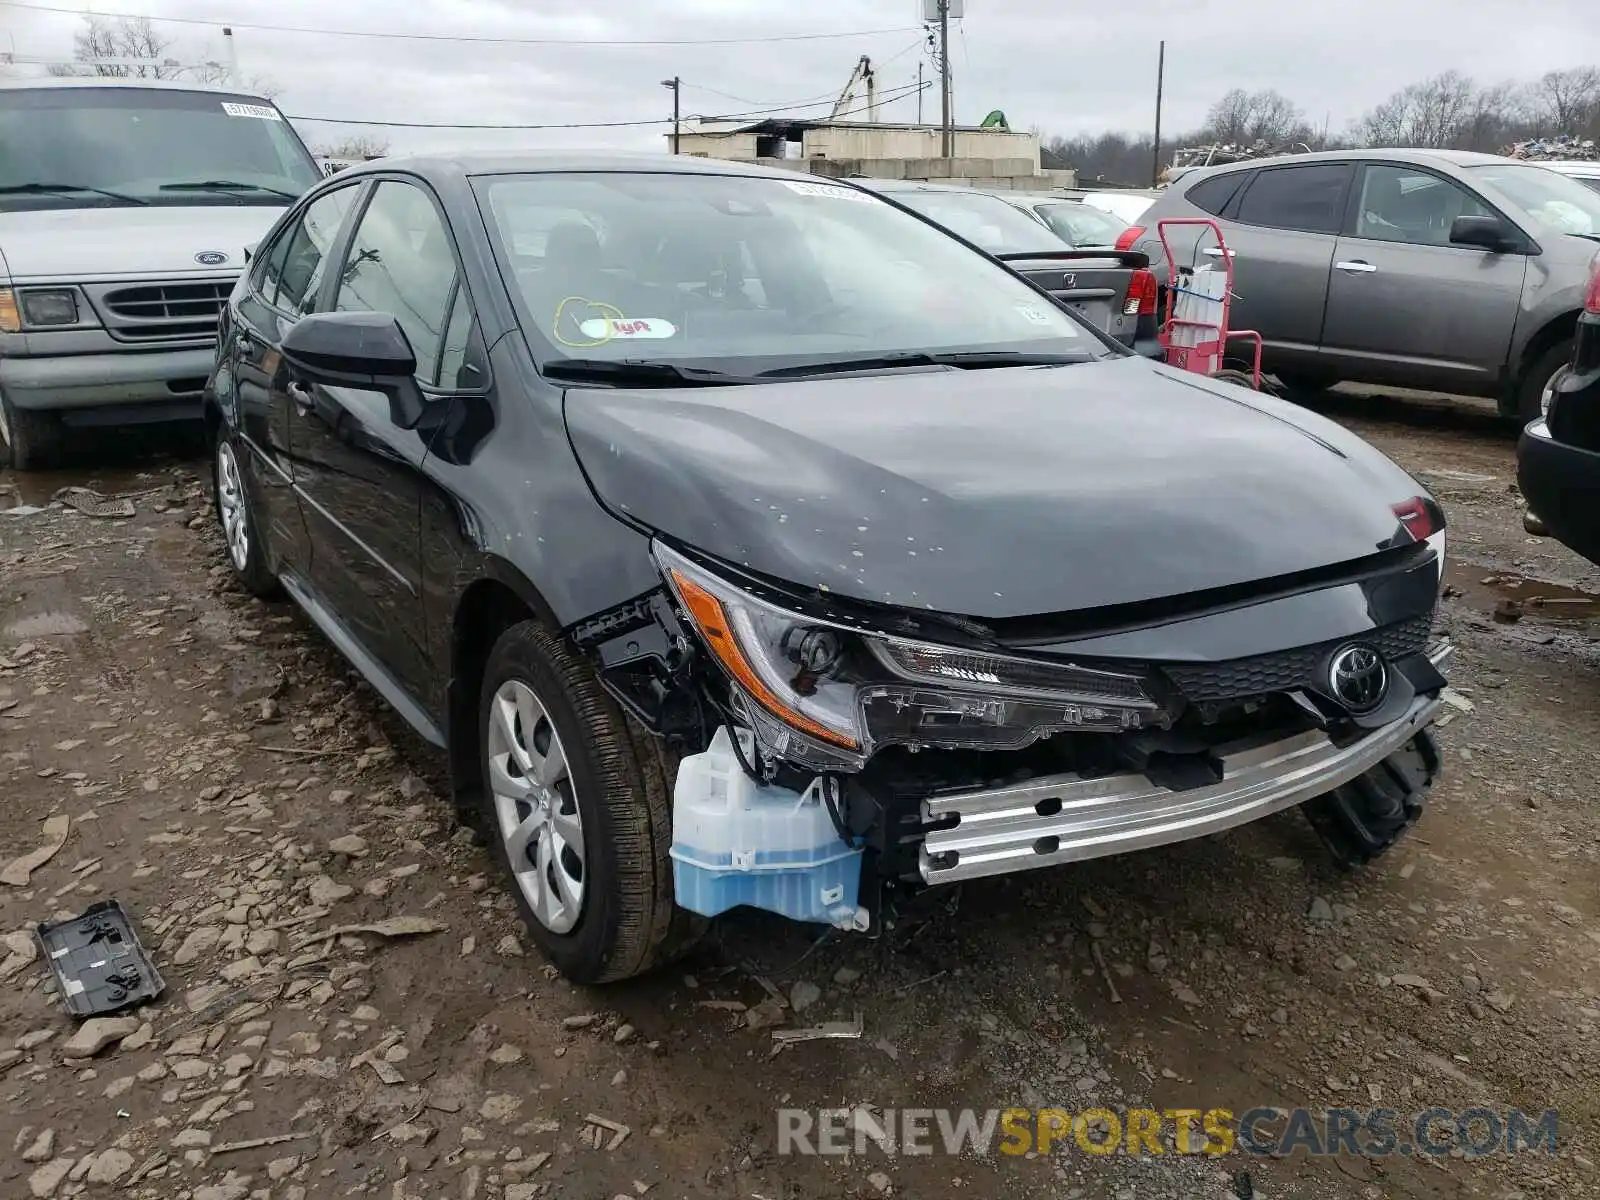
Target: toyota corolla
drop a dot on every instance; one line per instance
(746, 539)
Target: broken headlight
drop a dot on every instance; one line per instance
(826, 695)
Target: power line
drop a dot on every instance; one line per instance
(453, 37)
(896, 94)
(805, 100)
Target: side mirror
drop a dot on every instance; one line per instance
(361, 350)
(1485, 233)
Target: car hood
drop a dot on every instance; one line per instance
(65, 244)
(995, 493)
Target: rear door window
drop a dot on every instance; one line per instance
(1213, 195)
(1308, 198)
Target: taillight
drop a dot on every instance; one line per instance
(1419, 517)
(1591, 302)
(1141, 294)
(1129, 236)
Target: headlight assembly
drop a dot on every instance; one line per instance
(42, 307)
(827, 696)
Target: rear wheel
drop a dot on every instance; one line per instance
(578, 805)
(29, 440)
(1362, 820)
(1541, 379)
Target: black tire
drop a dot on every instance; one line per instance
(1362, 820)
(1530, 392)
(1244, 379)
(620, 781)
(254, 569)
(1305, 383)
(29, 440)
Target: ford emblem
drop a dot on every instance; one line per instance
(211, 258)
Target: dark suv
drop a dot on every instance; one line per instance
(1558, 459)
(744, 539)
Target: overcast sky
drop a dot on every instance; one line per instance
(1066, 66)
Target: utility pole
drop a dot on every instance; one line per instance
(234, 78)
(919, 91)
(948, 148)
(1161, 72)
(676, 84)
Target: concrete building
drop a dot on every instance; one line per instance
(999, 159)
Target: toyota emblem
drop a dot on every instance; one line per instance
(1358, 678)
(211, 258)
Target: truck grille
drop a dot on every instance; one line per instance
(1288, 670)
(164, 312)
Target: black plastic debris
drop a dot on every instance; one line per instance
(97, 960)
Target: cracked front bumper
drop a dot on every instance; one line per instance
(1066, 818)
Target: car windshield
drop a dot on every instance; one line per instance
(747, 274)
(985, 221)
(1081, 225)
(1554, 199)
(80, 147)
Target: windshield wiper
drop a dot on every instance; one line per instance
(52, 189)
(226, 185)
(968, 360)
(638, 372)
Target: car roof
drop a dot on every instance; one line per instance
(1442, 158)
(124, 82)
(538, 162)
(1568, 166)
(917, 185)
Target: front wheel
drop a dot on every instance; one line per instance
(1362, 820)
(246, 552)
(578, 805)
(29, 440)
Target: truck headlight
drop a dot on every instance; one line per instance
(826, 695)
(49, 306)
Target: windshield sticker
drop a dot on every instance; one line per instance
(264, 111)
(827, 191)
(627, 327)
(1037, 315)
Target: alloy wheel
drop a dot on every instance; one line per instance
(536, 807)
(230, 506)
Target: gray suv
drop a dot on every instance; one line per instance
(1432, 269)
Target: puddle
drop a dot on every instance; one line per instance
(1512, 599)
(46, 624)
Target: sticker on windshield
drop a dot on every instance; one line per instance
(1037, 315)
(607, 328)
(263, 111)
(828, 191)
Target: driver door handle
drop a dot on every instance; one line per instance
(1355, 267)
(301, 397)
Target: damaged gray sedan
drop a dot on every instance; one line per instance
(745, 540)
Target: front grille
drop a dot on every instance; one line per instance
(154, 312)
(1289, 670)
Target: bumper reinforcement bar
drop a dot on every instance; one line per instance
(1066, 818)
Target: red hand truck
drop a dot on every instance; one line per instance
(1202, 351)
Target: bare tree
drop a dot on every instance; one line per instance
(358, 147)
(123, 37)
(221, 75)
(1437, 113)
(1244, 118)
(136, 38)
(1566, 101)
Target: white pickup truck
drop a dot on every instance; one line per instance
(126, 207)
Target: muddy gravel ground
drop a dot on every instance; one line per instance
(219, 770)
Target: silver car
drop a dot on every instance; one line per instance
(1432, 269)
